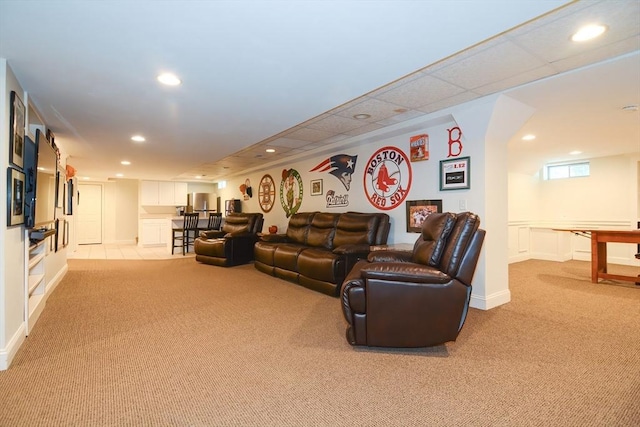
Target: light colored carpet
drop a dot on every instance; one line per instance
(177, 343)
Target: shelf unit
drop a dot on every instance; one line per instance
(35, 283)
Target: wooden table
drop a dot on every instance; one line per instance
(599, 240)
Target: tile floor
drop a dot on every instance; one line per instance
(114, 251)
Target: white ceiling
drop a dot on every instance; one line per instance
(291, 74)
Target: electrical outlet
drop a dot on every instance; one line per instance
(462, 204)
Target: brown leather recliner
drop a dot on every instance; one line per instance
(233, 244)
(416, 298)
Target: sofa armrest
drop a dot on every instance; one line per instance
(211, 234)
(390, 256)
(361, 249)
(404, 272)
(274, 238)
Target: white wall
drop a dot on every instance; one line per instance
(12, 246)
(607, 199)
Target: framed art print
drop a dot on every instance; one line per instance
(455, 174)
(316, 187)
(418, 210)
(15, 197)
(16, 133)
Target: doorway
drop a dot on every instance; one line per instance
(89, 219)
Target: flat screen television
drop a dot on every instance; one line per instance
(41, 166)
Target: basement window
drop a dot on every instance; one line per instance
(566, 170)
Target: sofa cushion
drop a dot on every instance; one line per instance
(299, 226)
(286, 256)
(322, 230)
(354, 229)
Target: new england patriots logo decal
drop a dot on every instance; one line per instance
(341, 166)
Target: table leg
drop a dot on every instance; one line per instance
(598, 257)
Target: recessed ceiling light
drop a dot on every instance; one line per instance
(86, 178)
(588, 32)
(125, 162)
(169, 79)
(361, 116)
(575, 152)
(198, 177)
(138, 138)
(270, 150)
(633, 107)
(119, 175)
(529, 137)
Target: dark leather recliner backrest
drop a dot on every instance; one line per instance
(356, 228)
(459, 242)
(299, 227)
(243, 223)
(322, 230)
(429, 247)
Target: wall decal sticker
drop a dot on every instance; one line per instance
(455, 134)
(387, 178)
(267, 193)
(291, 191)
(336, 200)
(419, 147)
(341, 166)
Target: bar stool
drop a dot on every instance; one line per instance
(186, 235)
(215, 221)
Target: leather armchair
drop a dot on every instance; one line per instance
(233, 244)
(415, 298)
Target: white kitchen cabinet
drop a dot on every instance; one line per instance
(154, 232)
(163, 193)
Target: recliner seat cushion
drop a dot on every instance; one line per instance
(321, 264)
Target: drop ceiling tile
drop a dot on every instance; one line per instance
(449, 102)
(517, 80)
(307, 134)
(411, 114)
(335, 124)
(376, 108)
(419, 92)
(287, 142)
(552, 42)
(489, 66)
(364, 129)
(596, 55)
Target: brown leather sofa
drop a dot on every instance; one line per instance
(231, 245)
(320, 248)
(416, 298)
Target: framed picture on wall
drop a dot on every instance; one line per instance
(15, 197)
(16, 133)
(455, 174)
(316, 187)
(418, 210)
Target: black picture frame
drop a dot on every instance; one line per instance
(418, 210)
(16, 133)
(70, 192)
(15, 196)
(455, 174)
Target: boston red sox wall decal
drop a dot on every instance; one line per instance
(387, 178)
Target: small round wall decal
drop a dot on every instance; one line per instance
(267, 193)
(387, 178)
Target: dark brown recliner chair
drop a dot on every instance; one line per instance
(416, 298)
(233, 244)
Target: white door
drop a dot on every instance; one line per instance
(89, 220)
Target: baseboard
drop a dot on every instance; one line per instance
(8, 353)
(492, 301)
